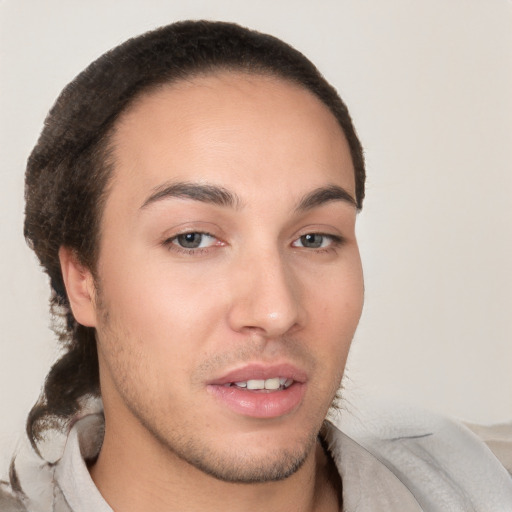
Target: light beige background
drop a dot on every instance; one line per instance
(429, 85)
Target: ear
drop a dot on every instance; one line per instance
(79, 287)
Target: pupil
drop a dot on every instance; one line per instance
(190, 240)
(314, 241)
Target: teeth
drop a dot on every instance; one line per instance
(255, 384)
(270, 384)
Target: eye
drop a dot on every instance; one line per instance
(195, 240)
(316, 241)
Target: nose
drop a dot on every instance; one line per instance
(265, 296)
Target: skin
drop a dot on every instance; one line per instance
(170, 320)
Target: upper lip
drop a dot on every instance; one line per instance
(261, 371)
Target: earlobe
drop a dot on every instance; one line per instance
(79, 287)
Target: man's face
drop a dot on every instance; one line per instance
(228, 261)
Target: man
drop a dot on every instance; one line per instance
(193, 199)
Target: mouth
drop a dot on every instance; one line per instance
(260, 391)
(266, 385)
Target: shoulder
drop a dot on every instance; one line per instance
(440, 461)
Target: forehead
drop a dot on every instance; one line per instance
(232, 129)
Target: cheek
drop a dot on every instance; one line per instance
(342, 297)
(337, 296)
(150, 292)
(158, 320)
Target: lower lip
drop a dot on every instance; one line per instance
(260, 404)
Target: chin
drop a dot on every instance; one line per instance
(245, 466)
(257, 456)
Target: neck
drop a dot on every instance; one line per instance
(148, 476)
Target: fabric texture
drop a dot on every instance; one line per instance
(420, 463)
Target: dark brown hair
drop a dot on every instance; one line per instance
(69, 169)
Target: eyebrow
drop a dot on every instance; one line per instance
(220, 196)
(322, 195)
(213, 194)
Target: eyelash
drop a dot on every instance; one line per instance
(336, 241)
(170, 244)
